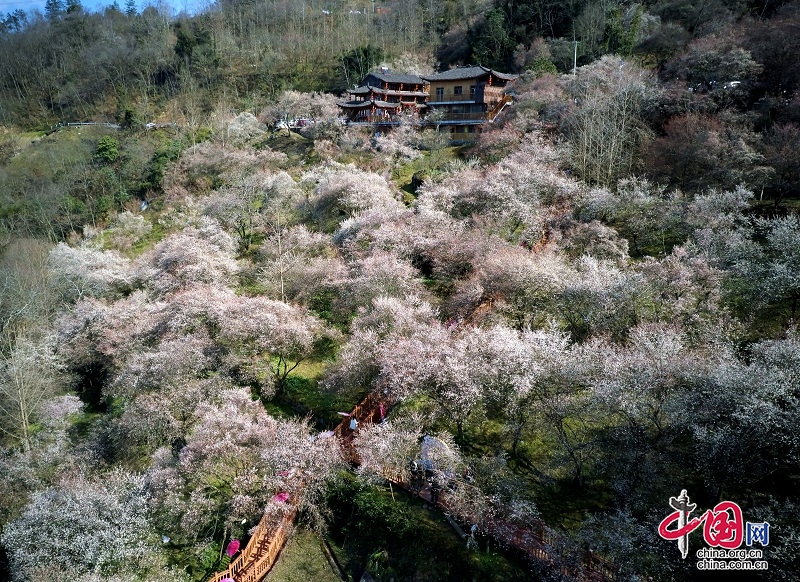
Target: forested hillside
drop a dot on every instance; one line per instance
(588, 310)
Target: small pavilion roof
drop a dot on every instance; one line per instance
(368, 103)
(366, 89)
(396, 78)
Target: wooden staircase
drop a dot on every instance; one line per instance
(261, 551)
(536, 541)
(497, 109)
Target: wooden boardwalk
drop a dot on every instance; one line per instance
(261, 552)
(536, 541)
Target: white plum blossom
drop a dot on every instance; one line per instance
(81, 526)
(79, 272)
(237, 458)
(203, 255)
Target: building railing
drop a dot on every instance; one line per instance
(452, 97)
(376, 119)
(395, 93)
(451, 117)
(447, 117)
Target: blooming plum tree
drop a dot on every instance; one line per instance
(644, 213)
(521, 285)
(434, 364)
(682, 288)
(236, 459)
(379, 274)
(259, 326)
(293, 261)
(389, 319)
(28, 377)
(773, 270)
(516, 371)
(596, 239)
(78, 272)
(193, 256)
(83, 526)
(386, 450)
(163, 418)
(720, 229)
(341, 191)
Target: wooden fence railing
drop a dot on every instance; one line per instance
(261, 551)
(536, 540)
(265, 545)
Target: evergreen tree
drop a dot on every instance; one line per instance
(74, 7)
(493, 46)
(15, 21)
(53, 9)
(130, 7)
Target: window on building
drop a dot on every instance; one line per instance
(457, 90)
(439, 93)
(472, 89)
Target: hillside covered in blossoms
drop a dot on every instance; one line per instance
(568, 321)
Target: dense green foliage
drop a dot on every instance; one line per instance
(398, 537)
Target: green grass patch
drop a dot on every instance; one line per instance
(426, 166)
(82, 424)
(766, 207)
(483, 438)
(302, 560)
(303, 396)
(156, 235)
(565, 504)
(55, 154)
(200, 563)
(403, 176)
(298, 149)
(561, 501)
(310, 369)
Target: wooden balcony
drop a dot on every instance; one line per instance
(459, 118)
(453, 98)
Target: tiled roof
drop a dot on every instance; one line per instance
(362, 90)
(354, 104)
(365, 89)
(361, 104)
(470, 72)
(397, 78)
(386, 104)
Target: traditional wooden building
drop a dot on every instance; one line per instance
(380, 97)
(459, 100)
(464, 98)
